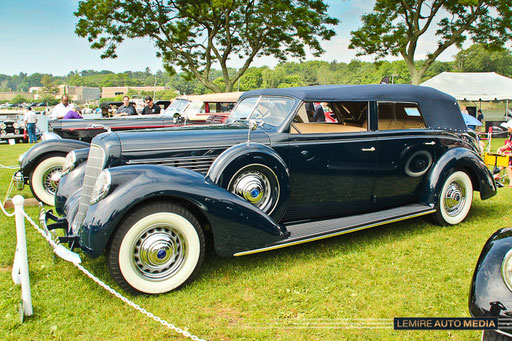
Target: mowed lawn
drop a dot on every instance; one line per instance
(326, 290)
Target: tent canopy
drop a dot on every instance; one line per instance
(473, 86)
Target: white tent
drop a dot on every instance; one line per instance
(473, 86)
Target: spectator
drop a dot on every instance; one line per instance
(464, 110)
(73, 114)
(506, 149)
(150, 108)
(319, 115)
(127, 109)
(30, 120)
(480, 116)
(62, 108)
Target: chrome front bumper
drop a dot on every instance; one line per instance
(55, 241)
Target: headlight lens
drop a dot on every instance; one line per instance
(16, 125)
(101, 187)
(3, 126)
(69, 163)
(506, 269)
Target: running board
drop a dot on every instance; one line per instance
(315, 230)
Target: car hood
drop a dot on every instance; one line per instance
(182, 141)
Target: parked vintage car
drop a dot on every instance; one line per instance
(214, 108)
(267, 179)
(41, 165)
(13, 128)
(491, 288)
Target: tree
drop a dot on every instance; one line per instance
(395, 27)
(477, 58)
(196, 35)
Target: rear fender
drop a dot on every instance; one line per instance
(458, 159)
(236, 225)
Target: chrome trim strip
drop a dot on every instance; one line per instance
(307, 240)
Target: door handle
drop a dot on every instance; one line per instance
(372, 149)
(431, 143)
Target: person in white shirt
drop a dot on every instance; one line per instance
(30, 123)
(62, 108)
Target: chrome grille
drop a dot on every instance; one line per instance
(95, 164)
(199, 164)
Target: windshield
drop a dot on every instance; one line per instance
(271, 110)
(176, 106)
(193, 109)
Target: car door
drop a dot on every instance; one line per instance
(406, 151)
(332, 167)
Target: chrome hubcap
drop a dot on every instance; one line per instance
(159, 252)
(254, 187)
(455, 198)
(51, 179)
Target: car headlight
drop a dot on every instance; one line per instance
(69, 163)
(16, 125)
(101, 187)
(3, 126)
(506, 269)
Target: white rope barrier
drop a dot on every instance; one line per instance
(9, 167)
(20, 268)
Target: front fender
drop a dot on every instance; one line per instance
(489, 295)
(34, 154)
(235, 158)
(459, 159)
(236, 225)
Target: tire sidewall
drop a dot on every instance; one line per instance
(464, 178)
(36, 178)
(192, 258)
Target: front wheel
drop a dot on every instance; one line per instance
(158, 248)
(45, 178)
(455, 199)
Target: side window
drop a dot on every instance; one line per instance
(394, 116)
(330, 117)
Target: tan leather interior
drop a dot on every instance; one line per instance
(319, 128)
(410, 123)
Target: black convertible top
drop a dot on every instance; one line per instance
(439, 109)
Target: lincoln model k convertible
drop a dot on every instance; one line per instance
(270, 178)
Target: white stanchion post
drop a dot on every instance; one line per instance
(20, 258)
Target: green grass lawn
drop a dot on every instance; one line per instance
(313, 291)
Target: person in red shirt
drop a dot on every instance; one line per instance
(507, 149)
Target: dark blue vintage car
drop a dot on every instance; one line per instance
(271, 177)
(491, 288)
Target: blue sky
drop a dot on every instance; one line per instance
(38, 36)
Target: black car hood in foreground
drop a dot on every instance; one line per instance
(158, 144)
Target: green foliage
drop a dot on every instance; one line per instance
(478, 58)
(50, 99)
(196, 35)
(394, 28)
(18, 99)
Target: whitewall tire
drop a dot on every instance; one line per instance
(454, 200)
(157, 249)
(45, 178)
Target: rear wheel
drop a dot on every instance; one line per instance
(158, 248)
(45, 178)
(455, 199)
